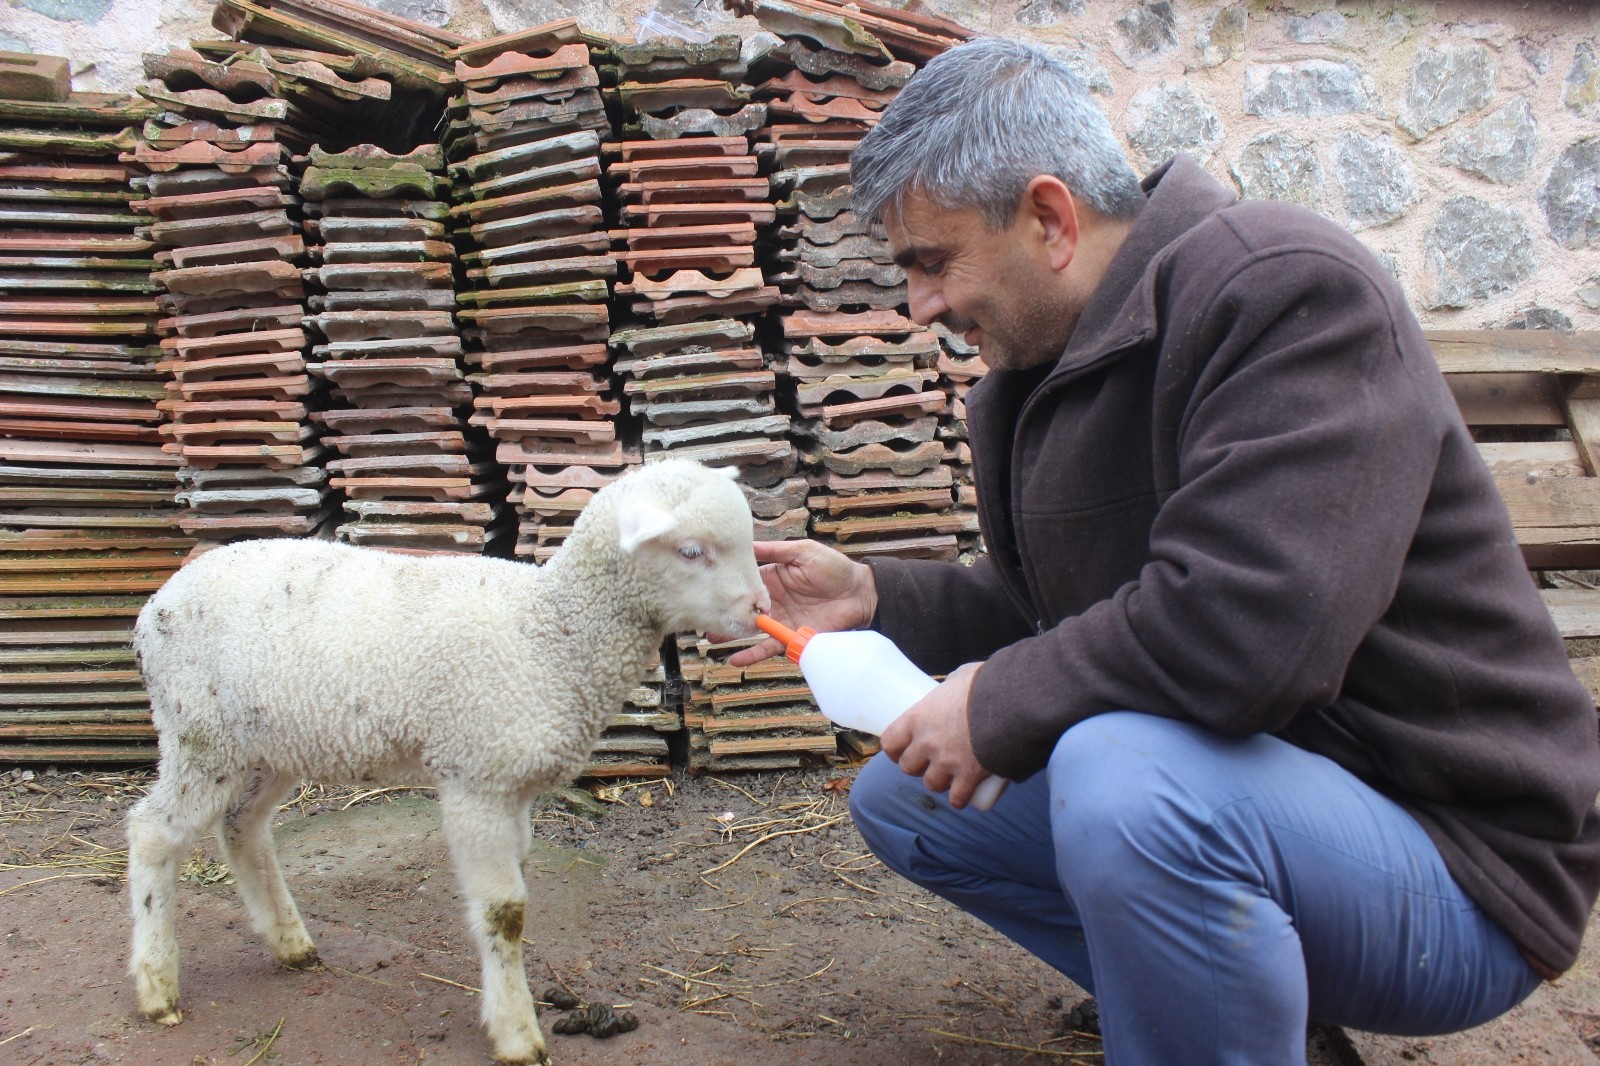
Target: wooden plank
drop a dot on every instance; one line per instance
(1544, 550)
(712, 674)
(86, 455)
(1536, 459)
(1556, 520)
(68, 561)
(1507, 399)
(1576, 612)
(1552, 503)
(1491, 351)
(1581, 404)
(1588, 670)
(83, 540)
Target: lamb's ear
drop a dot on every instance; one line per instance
(639, 520)
(729, 472)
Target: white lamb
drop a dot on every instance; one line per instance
(269, 662)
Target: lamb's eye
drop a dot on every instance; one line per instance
(691, 551)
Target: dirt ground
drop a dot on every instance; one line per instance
(741, 920)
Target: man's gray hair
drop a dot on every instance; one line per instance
(978, 123)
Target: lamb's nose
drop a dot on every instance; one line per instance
(763, 602)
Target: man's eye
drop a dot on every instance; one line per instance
(933, 269)
(691, 551)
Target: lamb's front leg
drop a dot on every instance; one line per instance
(485, 843)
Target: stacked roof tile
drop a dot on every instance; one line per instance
(227, 220)
(856, 27)
(872, 414)
(760, 717)
(866, 382)
(409, 54)
(959, 369)
(354, 315)
(524, 147)
(412, 474)
(383, 346)
(690, 204)
(526, 137)
(88, 526)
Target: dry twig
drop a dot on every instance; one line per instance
(42, 880)
(812, 899)
(772, 836)
(1078, 1057)
(558, 979)
(268, 1045)
(736, 788)
(994, 1001)
(371, 792)
(452, 984)
(362, 976)
(724, 907)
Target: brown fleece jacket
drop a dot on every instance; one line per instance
(1243, 496)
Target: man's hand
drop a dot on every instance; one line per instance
(931, 739)
(811, 585)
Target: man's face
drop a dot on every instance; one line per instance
(994, 289)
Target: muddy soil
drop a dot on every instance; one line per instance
(741, 920)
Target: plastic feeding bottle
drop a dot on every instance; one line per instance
(862, 681)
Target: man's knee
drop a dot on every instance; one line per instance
(1101, 762)
(1118, 784)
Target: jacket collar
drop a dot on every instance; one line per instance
(1179, 196)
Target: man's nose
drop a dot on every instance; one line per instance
(925, 299)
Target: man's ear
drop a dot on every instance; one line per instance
(1049, 205)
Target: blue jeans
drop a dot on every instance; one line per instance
(1213, 893)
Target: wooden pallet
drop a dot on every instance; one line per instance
(1532, 400)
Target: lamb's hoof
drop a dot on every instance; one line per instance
(155, 993)
(521, 1048)
(165, 1016)
(306, 960)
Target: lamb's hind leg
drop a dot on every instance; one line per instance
(485, 843)
(182, 804)
(246, 838)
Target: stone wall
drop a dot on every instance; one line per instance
(1459, 138)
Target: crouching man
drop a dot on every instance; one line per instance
(1293, 737)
